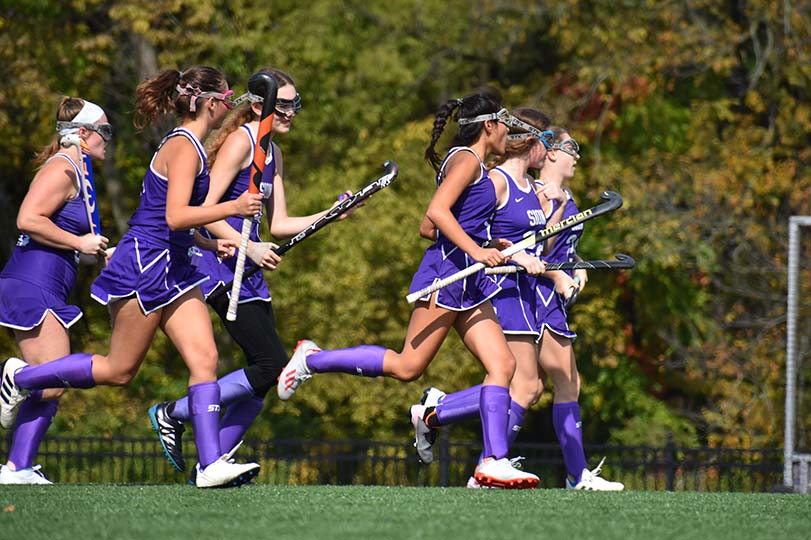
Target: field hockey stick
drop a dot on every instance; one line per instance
(87, 186)
(263, 85)
(613, 201)
(333, 214)
(622, 262)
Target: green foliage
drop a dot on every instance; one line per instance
(697, 113)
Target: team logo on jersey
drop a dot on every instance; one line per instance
(266, 188)
(536, 218)
(23, 240)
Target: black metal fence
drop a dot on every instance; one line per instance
(366, 462)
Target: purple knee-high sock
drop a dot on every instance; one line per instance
(566, 419)
(516, 422)
(204, 401)
(514, 425)
(33, 420)
(236, 421)
(459, 406)
(363, 360)
(494, 405)
(72, 371)
(234, 387)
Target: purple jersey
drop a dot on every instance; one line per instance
(149, 219)
(520, 215)
(38, 278)
(151, 261)
(221, 272)
(473, 210)
(551, 314)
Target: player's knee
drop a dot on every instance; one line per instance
(122, 378)
(407, 373)
(525, 391)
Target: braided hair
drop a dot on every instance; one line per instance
(466, 107)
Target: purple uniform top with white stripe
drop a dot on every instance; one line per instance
(551, 314)
(520, 215)
(37, 279)
(151, 261)
(474, 211)
(221, 272)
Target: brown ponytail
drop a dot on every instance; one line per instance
(158, 96)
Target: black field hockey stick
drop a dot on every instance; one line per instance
(333, 214)
(622, 262)
(613, 201)
(263, 85)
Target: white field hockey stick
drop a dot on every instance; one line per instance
(332, 215)
(622, 262)
(263, 85)
(613, 201)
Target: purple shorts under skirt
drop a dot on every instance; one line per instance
(23, 305)
(515, 305)
(442, 260)
(155, 274)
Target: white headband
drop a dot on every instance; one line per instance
(89, 114)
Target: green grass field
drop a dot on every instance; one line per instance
(365, 512)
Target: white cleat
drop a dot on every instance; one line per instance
(11, 395)
(591, 481)
(424, 437)
(472, 483)
(501, 473)
(224, 473)
(296, 370)
(432, 396)
(30, 475)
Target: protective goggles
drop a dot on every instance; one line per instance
(283, 106)
(503, 116)
(568, 146)
(546, 137)
(193, 92)
(104, 130)
(224, 97)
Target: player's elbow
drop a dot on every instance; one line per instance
(25, 222)
(174, 222)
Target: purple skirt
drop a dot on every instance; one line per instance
(442, 260)
(551, 314)
(23, 305)
(153, 272)
(516, 305)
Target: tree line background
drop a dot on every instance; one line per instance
(698, 112)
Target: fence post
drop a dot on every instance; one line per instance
(444, 457)
(670, 462)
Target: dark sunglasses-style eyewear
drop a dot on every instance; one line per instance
(288, 106)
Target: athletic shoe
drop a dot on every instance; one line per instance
(424, 437)
(11, 395)
(224, 473)
(432, 396)
(31, 475)
(502, 473)
(296, 370)
(472, 483)
(170, 434)
(591, 481)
